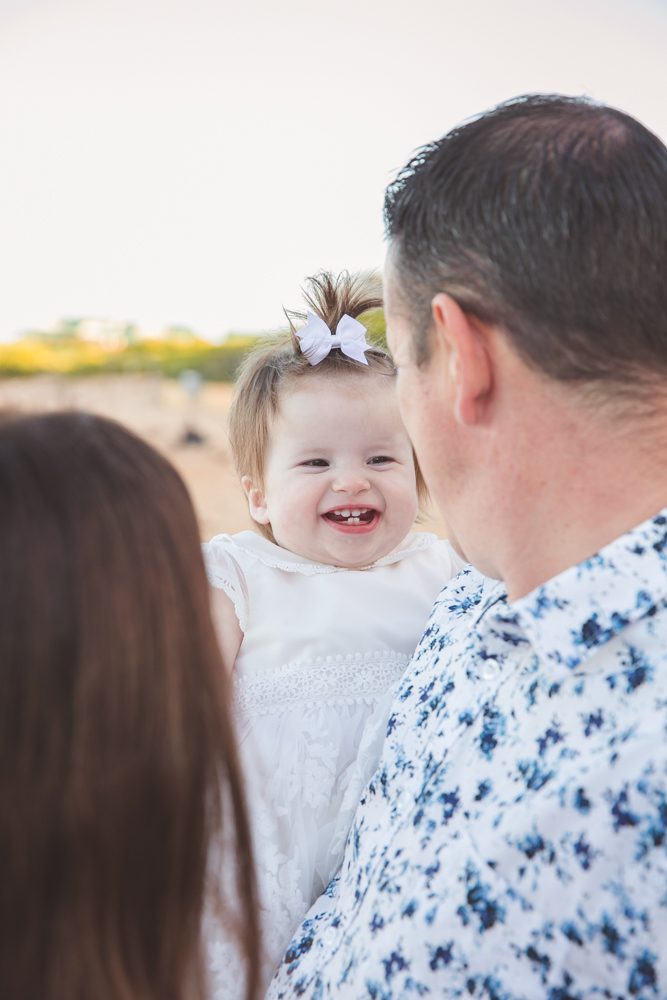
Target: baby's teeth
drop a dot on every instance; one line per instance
(343, 513)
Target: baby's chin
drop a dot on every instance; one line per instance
(347, 549)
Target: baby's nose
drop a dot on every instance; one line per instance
(351, 481)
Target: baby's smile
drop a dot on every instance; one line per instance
(344, 518)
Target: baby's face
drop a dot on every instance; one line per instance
(339, 483)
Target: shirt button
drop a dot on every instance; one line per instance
(402, 804)
(490, 669)
(329, 937)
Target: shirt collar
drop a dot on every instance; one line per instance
(573, 614)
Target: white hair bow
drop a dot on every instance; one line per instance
(316, 339)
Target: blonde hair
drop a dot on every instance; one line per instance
(276, 365)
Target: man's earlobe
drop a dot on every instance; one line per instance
(469, 366)
(256, 501)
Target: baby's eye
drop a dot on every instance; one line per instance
(380, 460)
(316, 463)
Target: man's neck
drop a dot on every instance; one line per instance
(583, 485)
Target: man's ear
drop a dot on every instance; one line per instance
(463, 340)
(256, 501)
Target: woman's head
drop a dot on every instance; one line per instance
(117, 757)
(279, 378)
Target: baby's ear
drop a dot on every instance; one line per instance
(256, 501)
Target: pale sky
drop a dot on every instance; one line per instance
(185, 161)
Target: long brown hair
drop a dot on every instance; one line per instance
(117, 757)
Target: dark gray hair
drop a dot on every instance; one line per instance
(547, 216)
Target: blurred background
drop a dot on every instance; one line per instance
(172, 170)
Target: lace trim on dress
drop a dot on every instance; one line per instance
(234, 589)
(325, 679)
(235, 597)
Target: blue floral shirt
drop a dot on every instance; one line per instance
(512, 842)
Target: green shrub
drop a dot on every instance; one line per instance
(75, 356)
(66, 353)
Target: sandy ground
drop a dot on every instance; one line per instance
(159, 410)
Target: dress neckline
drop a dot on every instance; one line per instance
(276, 557)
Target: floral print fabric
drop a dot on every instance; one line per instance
(512, 842)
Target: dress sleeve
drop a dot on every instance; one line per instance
(225, 573)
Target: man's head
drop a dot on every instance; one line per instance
(546, 216)
(542, 226)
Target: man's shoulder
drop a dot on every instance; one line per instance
(468, 592)
(460, 605)
(437, 665)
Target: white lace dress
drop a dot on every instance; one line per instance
(322, 648)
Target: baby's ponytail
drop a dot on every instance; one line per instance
(332, 296)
